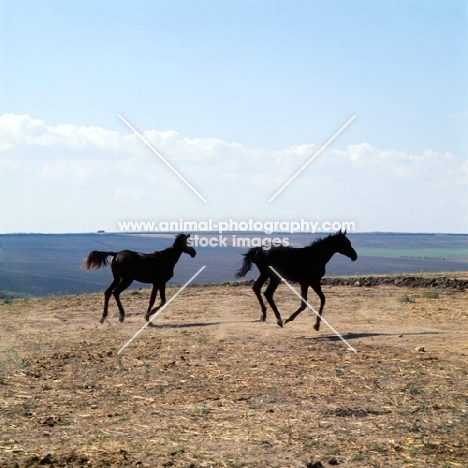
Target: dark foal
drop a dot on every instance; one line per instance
(305, 266)
(127, 266)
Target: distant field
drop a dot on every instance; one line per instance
(428, 253)
(418, 246)
(37, 264)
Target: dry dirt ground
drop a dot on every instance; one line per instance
(212, 386)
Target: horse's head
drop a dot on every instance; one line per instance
(343, 245)
(183, 242)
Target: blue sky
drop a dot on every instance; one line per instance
(237, 96)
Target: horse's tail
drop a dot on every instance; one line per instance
(252, 256)
(97, 259)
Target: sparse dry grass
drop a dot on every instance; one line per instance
(212, 386)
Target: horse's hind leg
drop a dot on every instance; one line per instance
(318, 289)
(304, 287)
(257, 288)
(122, 286)
(270, 290)
(107, 295)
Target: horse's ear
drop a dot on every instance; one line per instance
(189, 234)
(345, 232)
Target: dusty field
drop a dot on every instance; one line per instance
(211, 386)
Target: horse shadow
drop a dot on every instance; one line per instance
(192, 324)
(357, 336)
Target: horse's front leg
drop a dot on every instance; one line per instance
(304, 287)
(257, 288)
(154, 292)
(318, 289)
(162, 294)
(270, 290)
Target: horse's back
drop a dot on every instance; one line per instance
(294, 264)
(145, 268)
(126, 255)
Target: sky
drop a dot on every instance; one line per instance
(236, 97)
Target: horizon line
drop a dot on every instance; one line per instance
(157, 233)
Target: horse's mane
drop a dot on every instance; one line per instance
(179, 239)
(321, 240)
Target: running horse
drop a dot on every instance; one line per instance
(305, 266)
(128, 266)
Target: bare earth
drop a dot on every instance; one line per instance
(212, 386)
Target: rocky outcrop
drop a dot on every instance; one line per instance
(442, 282)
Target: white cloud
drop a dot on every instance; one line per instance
(22, 135)
(23, 130)
(400, 165)
(361, 181)
(77, 137)
(74, 171)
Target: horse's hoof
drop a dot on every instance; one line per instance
(317, 327)
(102, 320)
(280, 323)
(286, 321)
(121, 319)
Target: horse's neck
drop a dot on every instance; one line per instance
(326, 254)
(172, 254)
